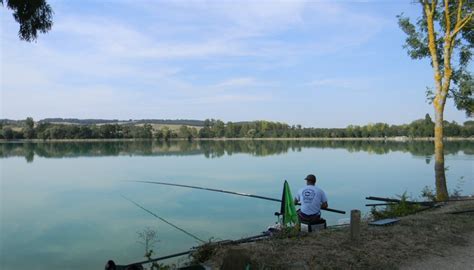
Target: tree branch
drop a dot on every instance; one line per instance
(447, 17)
(448, 38)
(461, 24)
(448, 48)
(433, 6)
(458, 17)
(432, 44)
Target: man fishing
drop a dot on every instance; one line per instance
(312, 200)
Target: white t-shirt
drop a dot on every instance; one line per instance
(311, 199)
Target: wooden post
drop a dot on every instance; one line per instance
(355, 225)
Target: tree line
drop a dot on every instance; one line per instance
(28, 129)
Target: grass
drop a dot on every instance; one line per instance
(396, 209)
(428, 232)
(203, 253)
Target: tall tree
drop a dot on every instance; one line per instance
(29, 128)
(444, 30)
(32, 15)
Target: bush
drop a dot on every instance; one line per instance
(403, 208)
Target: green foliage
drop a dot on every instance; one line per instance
(166, 133)
(187, 132)
(463, 97)
(396, 209)
(7, 133)
(422, 128)
(264, 129)
(416, 44)
(29, 123)
(204, 252)
(148, 238)
(218, 129)
(164, 267)
(60, 131)
(403, 208)
(29, 128)
(288, 232)
(33, 16)
(10, 134)
(428, 194)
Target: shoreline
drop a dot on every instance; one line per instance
(402, 245)
(376, 139)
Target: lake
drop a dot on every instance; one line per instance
(62, 205)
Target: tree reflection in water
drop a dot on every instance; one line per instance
(213, 149)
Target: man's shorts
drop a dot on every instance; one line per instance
(311, 219)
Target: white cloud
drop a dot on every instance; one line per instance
(225, 98)
(350, 83)
(237, 82)
(227, 28)
(108, 66)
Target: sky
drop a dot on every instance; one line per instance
(314, 63)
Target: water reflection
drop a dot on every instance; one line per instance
(213, 149)
(64, 210)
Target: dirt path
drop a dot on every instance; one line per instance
(458, 258)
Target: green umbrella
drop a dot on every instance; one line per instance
(288, 210)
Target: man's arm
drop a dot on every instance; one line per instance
(324, 205)
(297, 202)
(297, 198)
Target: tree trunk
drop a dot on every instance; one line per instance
(441, 188)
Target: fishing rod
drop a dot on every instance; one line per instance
(163, 258)
(380, 204)
(164, 220)
(228, 192)
(223, 243)
(389, 200)
(212, 189)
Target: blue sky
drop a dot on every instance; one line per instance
(315, 63)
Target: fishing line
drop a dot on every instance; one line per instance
(164, 220)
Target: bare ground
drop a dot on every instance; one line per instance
(433, 239)
(458, 257)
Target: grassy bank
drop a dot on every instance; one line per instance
(424, 234)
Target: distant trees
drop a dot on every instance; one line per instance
(46, 131)
(7, 133)
(468, 129)
(422, 127)
(187, 132)
(28, 129)
(265, 129)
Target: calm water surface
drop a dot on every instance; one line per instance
(61, 204)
